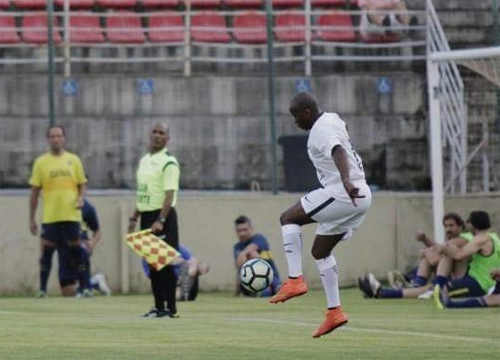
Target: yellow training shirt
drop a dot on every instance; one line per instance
(58, 177)
(156, 174)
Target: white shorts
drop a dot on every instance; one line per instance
(333, 216)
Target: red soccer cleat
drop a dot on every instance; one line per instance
(334, 318)
(290, 289)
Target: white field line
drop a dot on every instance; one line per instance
(380, 331)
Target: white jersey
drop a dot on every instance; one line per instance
(327, 132)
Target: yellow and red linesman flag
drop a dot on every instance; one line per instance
(157, 252)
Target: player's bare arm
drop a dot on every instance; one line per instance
(340, 158)
(35, 193)
(468, 250)
(82, 190)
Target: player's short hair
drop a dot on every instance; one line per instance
(242, 219)
(480, 220)
(56, 127)
(455, 217)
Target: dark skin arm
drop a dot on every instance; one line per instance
(167, 205)
(340, 158)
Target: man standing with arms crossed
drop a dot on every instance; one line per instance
(60, 177)
(339, 206)
(157, 185)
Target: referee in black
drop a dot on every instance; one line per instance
(157, 185)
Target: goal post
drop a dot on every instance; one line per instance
(448, 118)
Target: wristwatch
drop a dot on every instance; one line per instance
(161, 220)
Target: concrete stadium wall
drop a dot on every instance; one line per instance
(384, 242)
(220, 126)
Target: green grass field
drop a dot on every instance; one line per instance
(219, 326)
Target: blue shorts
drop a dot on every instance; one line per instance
(68, 274)
(61, 232)
(466, 286)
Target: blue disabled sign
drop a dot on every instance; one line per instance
(302, 85)
(384, 85)
(69, 87)
(145, 86)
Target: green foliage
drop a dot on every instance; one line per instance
(219, 326)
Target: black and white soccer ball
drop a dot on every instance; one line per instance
(256, 275)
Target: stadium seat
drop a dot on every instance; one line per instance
(34, 29)
(76, 4)
(160, 3)
(209, 27)
(345, 32)
(288, 3)
(126, 28)
(380, 38)
(204, 3)
(4, 4)
(29, 4)
(116, 4)
(250, 28)
(331, 2)
(243, 3)
(290, 27)
(8, 35)
(173, 24)
(84, 28)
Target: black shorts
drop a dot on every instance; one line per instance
(496, 291)
(61, 232)
(466, 286)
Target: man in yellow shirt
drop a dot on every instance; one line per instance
(157, 185)
(60, 177)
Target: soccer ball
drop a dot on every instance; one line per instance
(256, 275)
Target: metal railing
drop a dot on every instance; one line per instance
(310, 47)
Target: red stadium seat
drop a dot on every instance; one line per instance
(243, 3)
(380, 38)
(76, 4)
(290, 27)
(173, 24)
(160, 3)
(250, 28)
(288, 3)
(84, 28)
(4, 4)
(35, 29)
(8, 34)
(29, 4)
(332, 2)
(344, 32)
(125, 28)
(116, 4)
(204, 3)
(209, 27)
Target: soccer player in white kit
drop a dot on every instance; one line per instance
(338, 207)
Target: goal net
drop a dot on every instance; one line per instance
(464, 93)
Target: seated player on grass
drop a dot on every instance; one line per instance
(252, 245)
(456, 235)
(490, 300)
(188, 270)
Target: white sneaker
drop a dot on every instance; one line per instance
(426, 295)
(100, 280)
(374, 283)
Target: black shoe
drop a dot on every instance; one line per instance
(365, 286)
(154, 313)
(163, 313)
